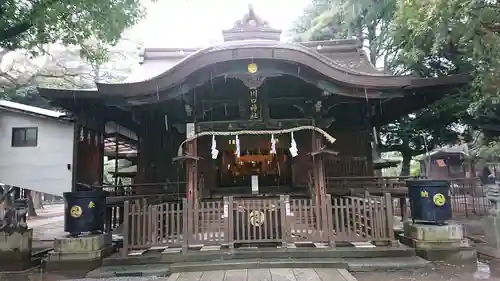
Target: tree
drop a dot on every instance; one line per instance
(64, 67)
(33, 31)
(370, 22)
(367, 20)
(31, 24)
(444, 37)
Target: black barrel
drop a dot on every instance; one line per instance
(84, 211)
(430, 200)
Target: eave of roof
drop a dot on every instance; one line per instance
(32, 110)
(252, 50)
(299, 54)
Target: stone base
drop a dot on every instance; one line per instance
(491, 248)
(71, 266)
(15, 250)
(82, 244)
(79, 253)
(89, 256)
(454, 256)
(439, 242)
(427, 232)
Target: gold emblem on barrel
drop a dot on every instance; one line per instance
(76, 211)
(439, 199)
(256, 218)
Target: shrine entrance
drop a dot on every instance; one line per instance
(257, 170)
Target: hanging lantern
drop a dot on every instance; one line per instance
(238, 152)
(215, 152)
(293, 147)
(273, 145)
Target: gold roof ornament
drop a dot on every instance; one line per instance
(252, 68)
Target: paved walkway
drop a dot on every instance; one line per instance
(48, 224)
(274, 274)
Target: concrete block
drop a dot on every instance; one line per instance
(79, 256)
(450, 255)
(492, 231)
(426, 232)
(15, 246)
(445, 244)
(82, 244)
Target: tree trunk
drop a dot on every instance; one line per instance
(31, 206)
(405, 166)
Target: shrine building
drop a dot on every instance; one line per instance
(246, 120)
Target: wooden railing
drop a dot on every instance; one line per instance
(232, 221)
(468, 197)
(144, 189)
(343, 186)
(118, 194)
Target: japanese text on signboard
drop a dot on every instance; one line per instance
(254, 106)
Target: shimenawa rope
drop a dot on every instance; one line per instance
(256, 132)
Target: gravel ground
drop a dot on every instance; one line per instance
(440, 272)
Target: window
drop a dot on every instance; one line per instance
(24, 137)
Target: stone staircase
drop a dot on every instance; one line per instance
(352, 259)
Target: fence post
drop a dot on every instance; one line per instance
(229, 221)
(151, 220)
(328, 227)
(284, 201)
(389, 217)
(321, 223)
(126, 228)
(186, 210)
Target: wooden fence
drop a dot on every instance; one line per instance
(234, 221)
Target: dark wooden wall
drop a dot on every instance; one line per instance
(354, 154)
(88, 167)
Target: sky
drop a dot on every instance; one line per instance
(198, 23)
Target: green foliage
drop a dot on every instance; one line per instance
(490, 152)
(31, 24)
(92, 25)
(415, 168)
(403, 37)
(455, 36)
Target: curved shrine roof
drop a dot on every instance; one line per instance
(340, 62)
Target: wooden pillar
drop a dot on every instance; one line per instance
(318, 168)
(88, 162)
(192, 173)
(101, 155)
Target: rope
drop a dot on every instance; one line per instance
(327, 136)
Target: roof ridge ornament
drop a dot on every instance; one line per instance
(251, 26)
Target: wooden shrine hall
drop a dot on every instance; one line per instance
(251, 132)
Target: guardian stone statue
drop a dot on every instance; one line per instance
(492, 190)
(14, 212)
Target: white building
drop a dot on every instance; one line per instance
(36, 148)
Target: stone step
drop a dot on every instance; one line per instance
(260, 263)
(259, 253)
(158, 270)
(352, 264)
(384, 264)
